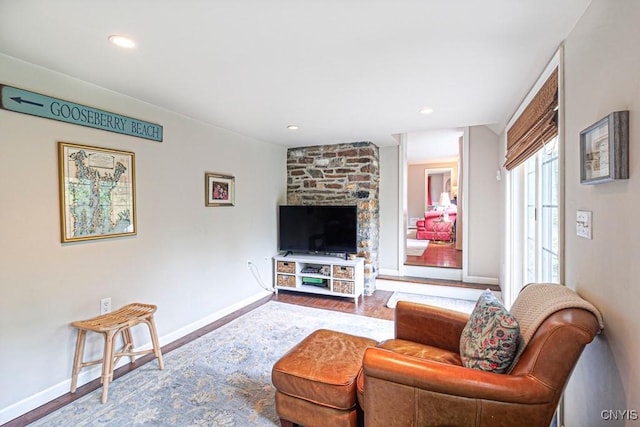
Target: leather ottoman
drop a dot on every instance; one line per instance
(315, 381)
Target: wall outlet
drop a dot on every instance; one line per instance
(248, 264)
(105, 305)
(583, 224)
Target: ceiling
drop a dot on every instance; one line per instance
(433, 146)
(342, 70)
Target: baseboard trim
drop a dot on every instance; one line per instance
(211, 318)
(87, 375)
(481, 280)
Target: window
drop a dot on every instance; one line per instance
(534, 212)
(533, 204)
(542, 224)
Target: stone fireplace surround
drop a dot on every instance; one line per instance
(341, 174)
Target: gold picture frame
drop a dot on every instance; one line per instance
(219, 190)
(97, 192)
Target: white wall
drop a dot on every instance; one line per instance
(483, 254)
(416, 187)
(389, 211)
(482, 194)
(602, 74)
(188, 259)
(416, 191)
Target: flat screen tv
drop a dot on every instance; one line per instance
(318, 229)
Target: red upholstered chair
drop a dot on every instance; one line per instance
(432, 227)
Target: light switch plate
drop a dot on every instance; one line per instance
(583, 224)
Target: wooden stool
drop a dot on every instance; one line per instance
(110, 325)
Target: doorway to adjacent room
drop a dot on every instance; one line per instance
(432, 165)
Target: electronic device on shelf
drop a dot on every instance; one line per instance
(318, 229)
(323, 270)
(315, 281)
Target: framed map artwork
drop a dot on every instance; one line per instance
(219, 190)
(97, 192)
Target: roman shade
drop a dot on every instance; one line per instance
(537, 124)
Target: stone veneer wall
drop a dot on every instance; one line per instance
(341, 174)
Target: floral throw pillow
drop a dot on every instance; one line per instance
(489, 339)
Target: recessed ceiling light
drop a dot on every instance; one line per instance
(122, 41)
(426, 111)
(293, 127)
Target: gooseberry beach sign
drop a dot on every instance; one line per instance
(35, 104)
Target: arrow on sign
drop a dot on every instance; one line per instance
(19, 100)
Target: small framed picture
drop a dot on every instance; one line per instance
(219, 190)
(604, 149)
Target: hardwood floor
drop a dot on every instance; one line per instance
(438, 254)
(371, 306)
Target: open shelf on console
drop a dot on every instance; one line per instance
(320, 275)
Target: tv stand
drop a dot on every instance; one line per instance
(318, 274)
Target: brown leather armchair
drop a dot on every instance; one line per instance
(417, 379)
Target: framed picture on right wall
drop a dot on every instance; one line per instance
(604, 149)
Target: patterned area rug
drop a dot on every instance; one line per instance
(220, 379)
(462, 305)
